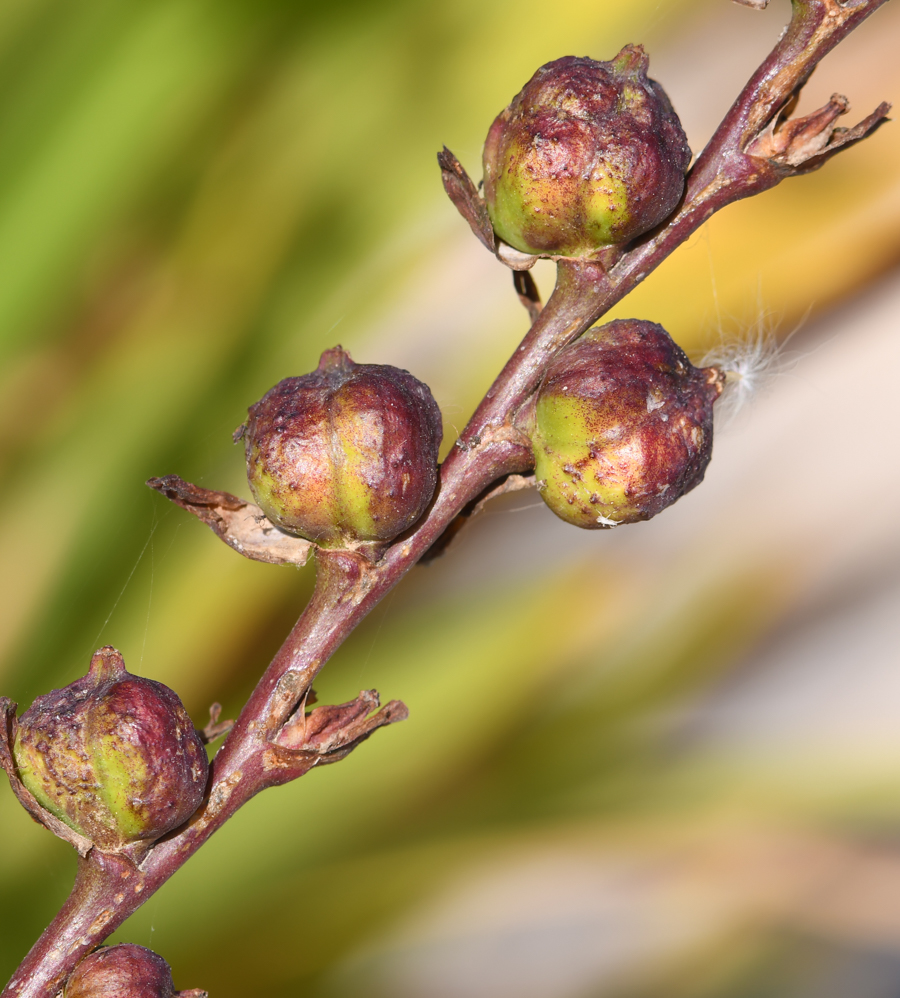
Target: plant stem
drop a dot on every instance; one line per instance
(100, 882)
(237, 773)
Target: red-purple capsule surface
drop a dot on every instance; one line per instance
(346, 455)
(124, 971)
(622, 425)
(113, 755)
(589, 154)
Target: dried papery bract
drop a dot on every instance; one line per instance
(588, 155)
(112, 755)
(124, 971)
(347, 455)
(621, 425)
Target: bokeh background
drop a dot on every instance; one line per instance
(662, 760)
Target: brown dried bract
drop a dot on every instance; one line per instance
(332, 731)
(240, 524)
(464, 194)
(809, 141)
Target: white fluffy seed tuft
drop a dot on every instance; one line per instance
(751, 362)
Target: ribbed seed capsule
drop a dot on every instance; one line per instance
(346, 455)
(589, 154)
(621, 425)
(114, 756)
(124, 971)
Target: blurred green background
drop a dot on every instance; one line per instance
(661, 760)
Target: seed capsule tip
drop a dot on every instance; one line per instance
(632, 59)
(107, 665)
(336, 359)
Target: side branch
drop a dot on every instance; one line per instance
(735, 164)
(815, 28)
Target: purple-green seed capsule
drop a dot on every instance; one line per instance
(124, 971)
(113, 755)
(622, 425)
(589, 154)
(346, 455)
